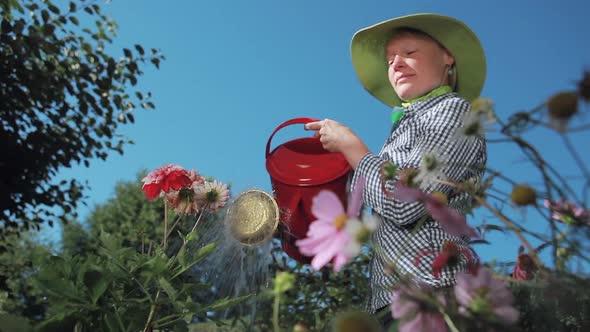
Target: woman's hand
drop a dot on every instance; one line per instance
(336, 137)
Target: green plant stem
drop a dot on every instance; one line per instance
(185, 242)
(275, 314)
(510, 226)
(148, 323)
(163, 320)
(159, 326)
(502, 218)
(119, 321)
(576, 157)
(165, 242)
(450, 323)
(173, 226)
(198, 219)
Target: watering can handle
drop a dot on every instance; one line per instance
(284, 124)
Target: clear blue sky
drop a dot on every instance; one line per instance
(237, 69)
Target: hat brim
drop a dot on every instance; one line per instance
(369, 60)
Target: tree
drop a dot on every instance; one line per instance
(18, 294)
(62, 99)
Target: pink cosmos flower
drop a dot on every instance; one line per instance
(449, 255)
(449, 219)
(413, 314)
(567, 212)
(360, 232)
(485, 295)
(164, 179)
(326, 238)
(212, 195)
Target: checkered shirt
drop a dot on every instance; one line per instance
(427, 126)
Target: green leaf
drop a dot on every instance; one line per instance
(167, 287)
(192, 236)
(97, 284)
(14, 324)
(156, 265)
(226, 302)
(127, 53)
(182, 256)
(74, 20)
(139, 49)
(53, 9)
(72, 7)
(45, 15)
(202, 253)
(180, 326)
(60, 288)
(156, 62)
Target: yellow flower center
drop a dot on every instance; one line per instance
(340, 221)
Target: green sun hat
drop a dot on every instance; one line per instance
(368, 54)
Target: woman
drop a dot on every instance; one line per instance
(432, 65)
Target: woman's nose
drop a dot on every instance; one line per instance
(398, 63)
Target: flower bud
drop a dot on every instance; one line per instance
(563, 105)
(388, 171)
(441, 197)
(283, 282)
(407, 176)
(523, 195)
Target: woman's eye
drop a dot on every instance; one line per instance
(410, 52)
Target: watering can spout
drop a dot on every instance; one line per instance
(298, 170)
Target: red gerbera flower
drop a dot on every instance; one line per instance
(164, 179)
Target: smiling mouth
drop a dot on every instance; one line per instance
(402, 77)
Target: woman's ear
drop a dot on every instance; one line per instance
(449, 59)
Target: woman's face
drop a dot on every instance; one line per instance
(416, 65)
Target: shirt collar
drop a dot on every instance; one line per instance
(420, 105)
(441, 90)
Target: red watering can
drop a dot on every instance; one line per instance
(298, 170)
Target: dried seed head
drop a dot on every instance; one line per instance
(523, 195)
(563, 105)
(441, 197)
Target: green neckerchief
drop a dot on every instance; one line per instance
(398, 112)
(441, 90)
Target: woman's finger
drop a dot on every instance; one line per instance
(316, 125)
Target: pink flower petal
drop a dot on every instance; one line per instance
(507, 314)
(326, 206)
(449, 219)
(321, 227)
(355, 201)
(332, 248)
(426, 322)
(339, 261)
(406, 194)
(315, 244)
(401, 306)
